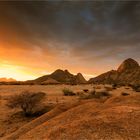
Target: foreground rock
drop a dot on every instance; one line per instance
(115, 119)
(127, 73)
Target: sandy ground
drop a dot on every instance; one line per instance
(12, 119)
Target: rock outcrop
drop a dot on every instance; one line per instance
(60, 76)
(127, 73)
(88, 120)
(128, 64)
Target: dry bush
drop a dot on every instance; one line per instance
(86, 90)
(114, 86)
(101, 94)
(125, 94)
(30, 102)
(108, 88)
(136, 88)
(79, 93)
(68, 92)
(127, 88)
(97, 95)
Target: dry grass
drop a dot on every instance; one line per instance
(70, 118)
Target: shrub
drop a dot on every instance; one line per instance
(114, 86)
(136, 88)
(125, 94)
(68, 92)
(85, 90)
(100, 94)
(30, 102)
(127, 88)
(79, 93)
(94, 94)
(108, 88)
(90, 95)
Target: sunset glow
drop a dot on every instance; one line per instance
(80, 37)
(16, 72)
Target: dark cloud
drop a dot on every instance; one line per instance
(78, 30)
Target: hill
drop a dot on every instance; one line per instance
(60, 76)
(127, 73)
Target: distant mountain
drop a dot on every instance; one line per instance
(127, 73)
(3, 79)
(60, 76)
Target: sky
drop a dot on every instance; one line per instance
(91, 37)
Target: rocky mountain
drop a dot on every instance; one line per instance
(127, 73)
(60, 76)
(128, 64)
(79, 78)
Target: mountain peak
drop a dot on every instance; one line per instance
(80, 78)
(58, 70)
(128, 64)
(79, 74)
(67, 72)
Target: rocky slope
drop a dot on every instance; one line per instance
(127, 73)
(60, 76)
(114, 119)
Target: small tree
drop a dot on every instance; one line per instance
(29, 102)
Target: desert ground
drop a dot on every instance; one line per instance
(73, 118)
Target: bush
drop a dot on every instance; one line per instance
(108, 88)
(125, 94)
(114, 86)
(86, 90)
(94, 94)
(136, 88)
(100, 94)
(29, 102)
(80, 93)
(68, 92)
(127, 88)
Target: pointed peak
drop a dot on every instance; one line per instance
(58, 70)
(79, 74)
(66, 71)
(80, 78)
(128, 64)
(130, 60)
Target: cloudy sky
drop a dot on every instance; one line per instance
(91, 37)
